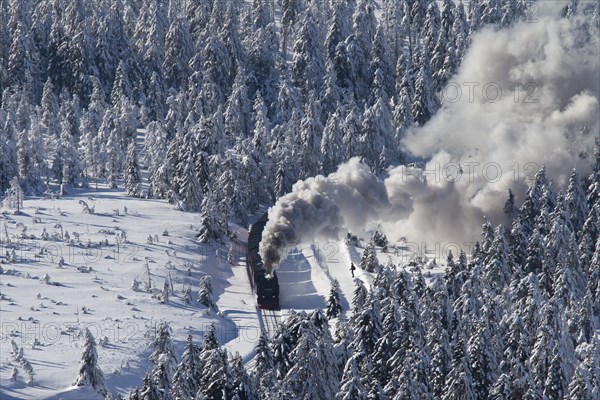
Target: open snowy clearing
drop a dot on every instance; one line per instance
(105, 253)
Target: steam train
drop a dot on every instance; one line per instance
(266, 288)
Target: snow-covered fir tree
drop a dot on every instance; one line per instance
(14, 195)
(205, 293)
(89, 373)
(132, 173)
(334, 307)
(369, 261)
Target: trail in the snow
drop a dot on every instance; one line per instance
(297, 289)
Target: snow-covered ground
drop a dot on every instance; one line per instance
(103, 254)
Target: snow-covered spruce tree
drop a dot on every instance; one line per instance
(209, 224)
(205, 293)
(497, 271)
(90, 141)
(300, 380)
(402, 112)
(228, 184)
(460, 32)
(332, 144)
(376, 130)
(342, 337)
(509, 205)
(8, 151)
(453, 282)
(557, 241)
(329, 96)
(264, 370)
(381, 60)
(262, 58)
(483, 359)
(576, 203)
(134, 394)
(556, 382)
(290, 13)
(351, 385)
(432, 26)
(518, 244)
(132, 171)
(108, 156)
(154, 107)
(164, 359)
(242, 386)
(532, 203)
(238, 109)
(412, 378)
(459, 382)
(368, 260)
(549, 348)
(190, 190)
(593, 285)
(425, 104)
(585, 383)
(165, 292)
(187, 374)
(187, 295)
(13, 197)
(367, 331)
(588, 238)
(216, 73)
(313, 328)
(359, 47)
(359, 297)
(90, 373)
(448, 67)
(261, 132)
(441, 355)
(308, 62)
(71, 169)
(155, 148)
(36, 154)
(24, 158)
(384, 347)
(334, 306)
(310, 134)
(380, 239)
(215, 379)
(149, 390)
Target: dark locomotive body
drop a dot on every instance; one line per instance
(267, 289)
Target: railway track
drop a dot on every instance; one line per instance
(271, 320)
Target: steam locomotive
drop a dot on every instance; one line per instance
(266, 288)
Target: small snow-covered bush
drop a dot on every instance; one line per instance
(45, 279)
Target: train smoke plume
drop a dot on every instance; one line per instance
(323, 208)
(529, 96)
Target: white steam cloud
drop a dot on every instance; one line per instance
(323, 208)
(529, 96)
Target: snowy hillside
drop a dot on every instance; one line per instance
(103, 254)
(45, 307)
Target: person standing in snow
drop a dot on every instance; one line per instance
(352, 268)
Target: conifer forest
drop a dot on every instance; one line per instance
(300, 199)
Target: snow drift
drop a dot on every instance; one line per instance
(524, 97)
